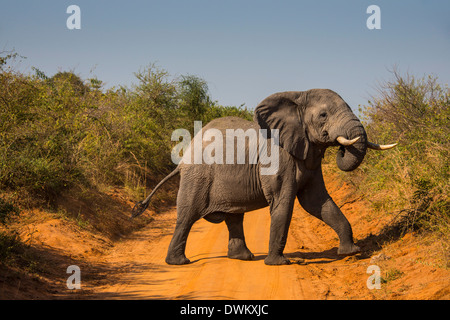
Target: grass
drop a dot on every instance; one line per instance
(411, 181)
(9, 244)
(391, 275)
(7, 210)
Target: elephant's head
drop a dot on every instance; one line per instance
(310, 121)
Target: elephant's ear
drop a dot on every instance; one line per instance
(283, 111)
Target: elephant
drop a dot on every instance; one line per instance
(305, 123)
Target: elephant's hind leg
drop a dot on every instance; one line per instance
(176, 252)
(237, 249)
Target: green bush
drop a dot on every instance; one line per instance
(411, 180)
(7, 209)
(62, 131)
(9, 244)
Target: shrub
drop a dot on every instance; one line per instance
(412, 179)
(9, 244)
(7, 209)
(62, 131)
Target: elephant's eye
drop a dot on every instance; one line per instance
(323, 115)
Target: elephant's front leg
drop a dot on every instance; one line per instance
(332, 215)
(315, 199)
(280, 219)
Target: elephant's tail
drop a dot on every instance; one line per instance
(141, 206)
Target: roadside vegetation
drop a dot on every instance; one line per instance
(61, 133)
(411, 181)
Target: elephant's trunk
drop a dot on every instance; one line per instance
(350, 157)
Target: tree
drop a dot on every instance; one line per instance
(193, 97)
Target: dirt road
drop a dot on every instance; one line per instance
(412, 266)
(211, 275)
(137, 269)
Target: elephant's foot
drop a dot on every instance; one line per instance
(348, 250)
(238, 250)
(276, 260)
(177, 260)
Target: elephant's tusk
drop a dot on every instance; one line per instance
(375, 146)
(346, 142)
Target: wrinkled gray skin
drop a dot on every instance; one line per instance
(308, 123)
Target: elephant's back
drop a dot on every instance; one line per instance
(231, 123)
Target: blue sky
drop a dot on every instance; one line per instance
(245, 50)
